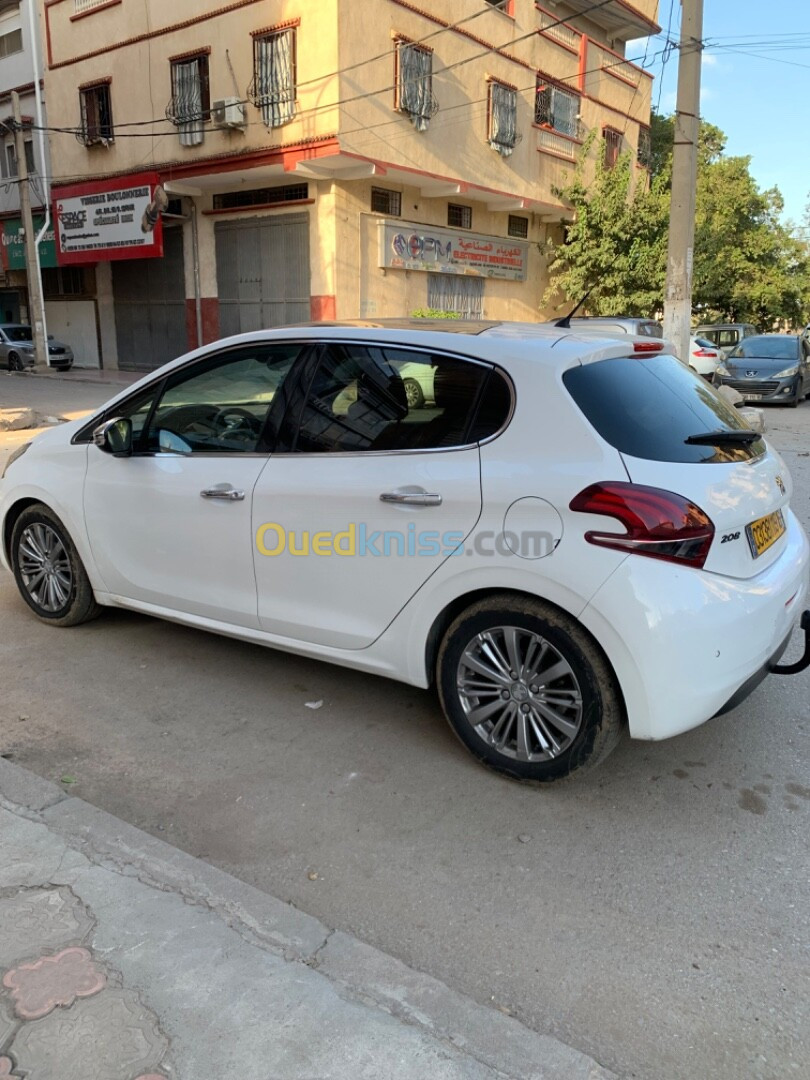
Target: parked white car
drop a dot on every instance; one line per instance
(704, 358)
(569, 543)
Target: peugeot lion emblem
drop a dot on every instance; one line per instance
(751, 374)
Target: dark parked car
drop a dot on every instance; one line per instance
(17, 349)
(768, 368)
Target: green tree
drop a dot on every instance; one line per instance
(748, 266)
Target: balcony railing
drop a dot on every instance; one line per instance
(557, 144)
(80, 6)
(560, 33)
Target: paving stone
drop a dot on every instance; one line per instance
(52, 981)
(111, 1036)
(34, 921)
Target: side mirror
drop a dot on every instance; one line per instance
(114, 436)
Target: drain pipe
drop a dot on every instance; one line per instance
(195, 255)
(46, 193)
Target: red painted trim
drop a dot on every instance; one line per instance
(259, 206)
(560, 44)
(266, 31)
(556, 156)
(612, 108)
(26, 89)
(209, 308)
(271, 155)
(204, 50)
(148, 36)
(654, 27)
(106, 80)
(551, 15)
(583, 62)
(322, 308)
(94, 10)
(502, 82)
(629, 63)
(621, 78)
(559, 134)
(464, 185)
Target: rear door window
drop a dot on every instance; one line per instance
(648, 408)
(379, 398)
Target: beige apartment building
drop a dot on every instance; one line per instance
(329, 159)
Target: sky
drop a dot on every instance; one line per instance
(754, 85)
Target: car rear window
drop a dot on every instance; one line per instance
(648, 408)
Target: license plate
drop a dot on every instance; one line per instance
(754, 397)
(764, 532)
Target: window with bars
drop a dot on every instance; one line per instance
(613, 146)
(236, 200)
(458, 293)
(502, 5)
(414, 84)
(644, 154)
(518, 226)
(556, 108)
(385, 201)
(274, 79)
(460, 217)
(96, 111)
(503, 135)
(190, 106)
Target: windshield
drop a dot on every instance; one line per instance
(18, 333)
(649, 408)
(768, 348)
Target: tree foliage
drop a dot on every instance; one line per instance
(747, 264)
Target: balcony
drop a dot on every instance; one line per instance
(623, 19)
(81, 6)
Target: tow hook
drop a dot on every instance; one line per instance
(800, 665)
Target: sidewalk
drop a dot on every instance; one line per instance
(122, 958)
(113, 376)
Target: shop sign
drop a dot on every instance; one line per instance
(425, 247)
(12, 244)
(100, 220)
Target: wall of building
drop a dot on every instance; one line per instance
(126, 42)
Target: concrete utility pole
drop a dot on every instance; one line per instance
(35, 308)
(678, 294)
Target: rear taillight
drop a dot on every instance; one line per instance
(704, 352)
(659, 524)
(648, 346)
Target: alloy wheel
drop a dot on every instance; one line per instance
(519, 693)
(45, 567)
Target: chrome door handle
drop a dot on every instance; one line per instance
(411, 498)
(230, 494)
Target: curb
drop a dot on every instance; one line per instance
(494, 1039)
(73, 376)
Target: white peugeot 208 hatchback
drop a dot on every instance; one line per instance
(572, 537)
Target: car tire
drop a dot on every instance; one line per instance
(528, 731)
(64, 595)
(14, 362)
(414, 394)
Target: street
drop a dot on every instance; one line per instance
(652, 914)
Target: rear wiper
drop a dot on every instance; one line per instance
(743, 436)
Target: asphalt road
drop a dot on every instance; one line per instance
(654, 914)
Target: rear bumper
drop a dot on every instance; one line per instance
(687, 644)
(773, 667)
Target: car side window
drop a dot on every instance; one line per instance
(376, 398)
(220, 404)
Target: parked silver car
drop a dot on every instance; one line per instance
(17, 349)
